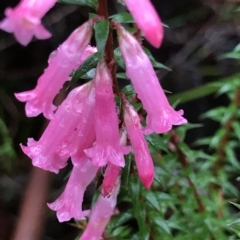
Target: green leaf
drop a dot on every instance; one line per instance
(7, 152)
(156, 142)
(127, 168)
(236, 205)
(122, 17)
(138, 207)
(155, 63)
(234, 55)
(202, 91)
(150, 196)
(90, 3)
(128, 90)
(89, 75)
(101, 35)
(162, 224)
(122, 75)
(86, 66)
(118, 58)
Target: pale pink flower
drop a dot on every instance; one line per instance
(107, 147)
(49, 153)
(61, 63)
(142, 156)
(147, 20)
(24, 21)
(85, 133)
(100, 215)
(69, 204)
(161, 116)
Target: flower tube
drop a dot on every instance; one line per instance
(24, 21)
(69, 204)
(107, 147)
(49, 153)
(100, 215)
(112, 171)
(142, 156)
(161, 116)
(61, 63)
(147, 20)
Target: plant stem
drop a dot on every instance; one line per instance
(184, 162)
(221, 150)
(224, 140)
(103, 11)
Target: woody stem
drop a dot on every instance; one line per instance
(102, 10)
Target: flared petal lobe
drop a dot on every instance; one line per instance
(142, 156)
(147, 20)
(24, 21)
(107, 147)
(69, 204)
(161, 116)
(100, 215)
(49, 153)
(61, 63)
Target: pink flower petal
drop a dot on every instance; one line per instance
(147, 20)
(142, 156)
(61, 63)
(69, 204)
(25, 20)
(100, 215)
(49, 153)
(161, 116)
(107, 147)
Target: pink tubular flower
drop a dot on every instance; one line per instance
(100, 215)
(85, 133)
(161, 116)
(110, 177)
(107, 147)
(147, 20)
(69, 204)
(49, 153)
(24, 21)
(142, 156)
(61, 63)
(112, 171)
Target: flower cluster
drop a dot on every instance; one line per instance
(86, 126)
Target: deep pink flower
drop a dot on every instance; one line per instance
(110, 177)
(161, 116)
(142, 156)
(24, 21)
(107, 147)
(147, 20)
(69, 204)
(49, 153)
(112, 171)
(100, 215)
(61, 63)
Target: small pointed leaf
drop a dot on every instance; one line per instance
(87, 65)
(123, 17)
(90, 3)
(101, 35)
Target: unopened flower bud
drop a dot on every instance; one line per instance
(142, 156)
